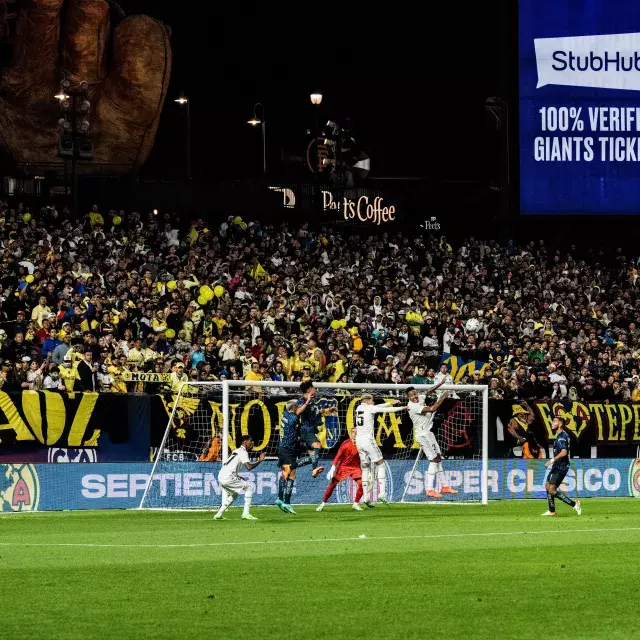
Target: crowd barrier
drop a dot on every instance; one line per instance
(51, 487)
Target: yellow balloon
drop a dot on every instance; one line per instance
(117, 220)
(202, 301)
(170, 333)
(243, 226)
(335, 324)
(26, 217)
(29, 278)
(219, 291)
(116, 319)
(237, 220)
(171, 285)
(203, 289)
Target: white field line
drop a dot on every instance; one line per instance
(436, 536)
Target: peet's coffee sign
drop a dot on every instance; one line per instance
(364, 208)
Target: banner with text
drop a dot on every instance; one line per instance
(579, 64)
(45, 487)
(48, 426)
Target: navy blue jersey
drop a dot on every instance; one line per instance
(289, 434)
(310, 418)
(562, 441)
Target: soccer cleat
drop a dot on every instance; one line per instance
(453, 492)
(552, 514)
(433, 494)
(382, 498)
(248, 516)
(356, 507)
(279, 503)
(316, 472)
(288, 508)
(577, 508)
(320, 507)
(218, 516)
(369, 504)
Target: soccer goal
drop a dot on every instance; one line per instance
(206, 421)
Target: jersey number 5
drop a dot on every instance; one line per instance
(359, 419)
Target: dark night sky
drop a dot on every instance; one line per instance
(413, 87)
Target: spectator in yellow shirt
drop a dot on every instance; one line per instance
(40, 312)
(68, 374)
(254, 374)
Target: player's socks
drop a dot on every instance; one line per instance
(431, 476)
(315, 458)
(226, 503)
(442, 480)
(247, 502)
(281, 485)
(566, 499)
(302, 462)
(382, 482)
(327, 494)
(365, 484)
(552, 503)
(359, 492)
(288, 490)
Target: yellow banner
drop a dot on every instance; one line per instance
(129, 376)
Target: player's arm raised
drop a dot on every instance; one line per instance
(436, 406)
(252, 465)
(385, 408)
(434, 389)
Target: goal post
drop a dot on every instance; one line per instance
(207, 419)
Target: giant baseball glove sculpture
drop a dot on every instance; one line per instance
(127, 69)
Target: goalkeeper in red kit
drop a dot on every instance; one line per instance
(346, 464)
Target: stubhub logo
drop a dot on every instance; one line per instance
(603, 62)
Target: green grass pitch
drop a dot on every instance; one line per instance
(422, 571)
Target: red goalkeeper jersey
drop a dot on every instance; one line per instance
(347, 459)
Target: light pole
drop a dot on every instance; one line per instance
(316, 99)
(182, 100)
(257, 121)
(70, 132)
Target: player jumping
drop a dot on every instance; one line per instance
(559, 467)
(310, 420)
(367, 447)
(346, 464)
(287, 456)
(422, 418)
(231, 483)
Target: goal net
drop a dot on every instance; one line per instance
(206, 421)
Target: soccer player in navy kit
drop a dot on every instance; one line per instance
(559, 468)
(288, 455)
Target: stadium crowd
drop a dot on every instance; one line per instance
(86, 301)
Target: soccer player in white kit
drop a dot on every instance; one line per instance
(422, 418)
(367, 447)
(231, 483)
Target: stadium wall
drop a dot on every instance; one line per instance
(53, 487)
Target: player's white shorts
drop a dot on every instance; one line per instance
(429, 445)
(368, 450)
(233, 485)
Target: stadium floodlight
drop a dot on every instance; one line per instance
(316, 98)
(207, 419)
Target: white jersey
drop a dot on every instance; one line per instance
(237, 459)
(422, 422)
(365, 418)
